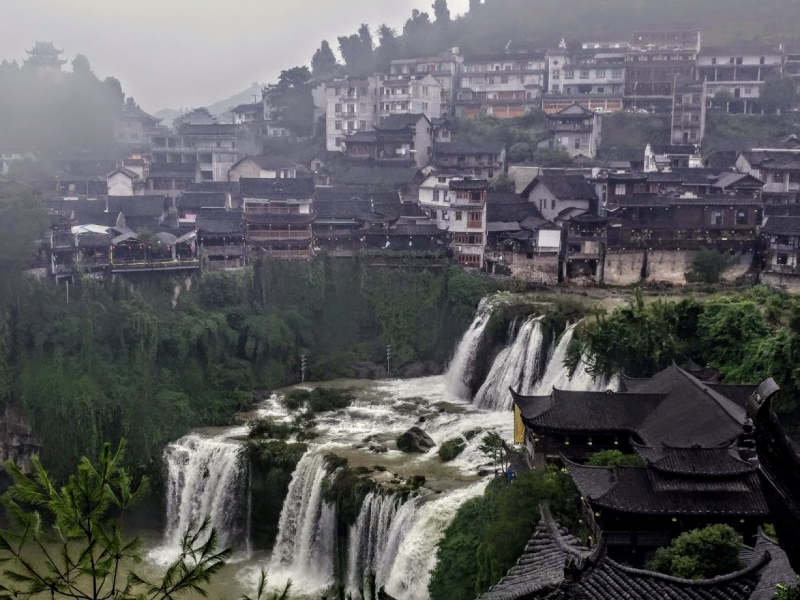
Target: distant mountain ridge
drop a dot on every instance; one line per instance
(218, 109)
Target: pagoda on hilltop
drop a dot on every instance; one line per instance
(45, 57)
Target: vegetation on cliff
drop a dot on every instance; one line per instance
(748, 337)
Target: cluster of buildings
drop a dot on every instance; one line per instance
(704, 459)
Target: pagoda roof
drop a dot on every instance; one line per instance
(277, 188)
(646, 490)
(706, 462)
(555, 565)
(692, 413)
(738, 393)
(587, 411)
(469, 185)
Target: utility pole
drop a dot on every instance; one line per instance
(303, 368)
(388, 358)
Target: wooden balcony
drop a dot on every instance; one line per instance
(474, 225)
(288, 254)
(232, 250)
(277, 235)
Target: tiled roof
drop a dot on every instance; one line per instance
(207, 129)
(397, 122)
(137, 206)
(220, 222)
(467, 148)
(277, 189)
(516, 212)
(587, 411)
(355, 208)
(541, 566)
(652, 200)
(213, 186)
(782, 225)
(777, 571)
(773, 160)
(364, 137)
(692, 413)
(468, 184)
(246, 108)
(270, 163)
(375, 175)
(739, 394)
(564, 187)
(644, 490)
(673, 148)
(194, 200)
(709, 462)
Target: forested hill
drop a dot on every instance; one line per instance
(490, 25)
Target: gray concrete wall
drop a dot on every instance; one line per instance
(623, 267)
(669, 265)
(738, 266)
(790, 283)
(542, 268)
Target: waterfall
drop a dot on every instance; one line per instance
(460, 368)
(369, 537)
(517, 366)
(418, 528)
(205, 479)
(557, 374)
(306, 543)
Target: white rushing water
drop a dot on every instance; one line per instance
(557, 374)
(460, 368)
(306, 542)
(369, 538)
(517, 366)
(205, 479)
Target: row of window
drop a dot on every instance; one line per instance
(586, 73)
(472, 217)
(738, 60)
(351, 109)
(351, 125)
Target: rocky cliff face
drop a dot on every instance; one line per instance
(17, 441)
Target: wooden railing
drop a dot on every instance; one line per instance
(278, 234)
(288, 254)
(474, 225)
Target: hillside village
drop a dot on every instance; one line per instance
(396, 175)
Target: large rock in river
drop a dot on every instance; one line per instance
(415, 440)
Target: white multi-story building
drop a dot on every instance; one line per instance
(502, 85)
(351, 105)
(593, 79)
(444, 67)
(410, 95)
(458, 205)
(742, 70)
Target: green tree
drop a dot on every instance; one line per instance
(323, 63)
(707, 266)
(82, 537)
(22, 220)
(441, 12)
(358, 51)
(519, 153)
(292, 100)
(614, 458)
(494, 447)
(262, 594)
(503, 184)
(700, 553)
(388, 48)
(779, 94)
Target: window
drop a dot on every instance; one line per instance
(445, 215)
(732, 60)
(556, 73)
(351, 109)
(338, 108)
(739, 60)
(490, 174)
(458, 215)
(620, 189)
(491, 80)
(782, 259)
(434, 214)
(436, 195)
(616, 74)
(716, 217)
(338, 125)
(601, 90)
(362, 125)
(741, 217)
(553, 204)
(351, 126)
(584, 73)
(504, 79)
(338, 142)
(762, 60)
(600, 73)
(577, 143)
(569, 74)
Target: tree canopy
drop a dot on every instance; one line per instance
(700, 553)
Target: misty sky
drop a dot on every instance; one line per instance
(186, 53)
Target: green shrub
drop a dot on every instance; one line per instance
(328, 399)
(294, 399)
(268, 428)
(707, 266)
(611, 458)
(451, 449)
(700, 553)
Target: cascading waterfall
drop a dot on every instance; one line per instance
(557, 374)
(205, 479)
(517, 366)
(369, 537)
(415, 535)
(306, 543)
(460, 367)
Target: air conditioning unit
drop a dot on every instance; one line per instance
(459, 248)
